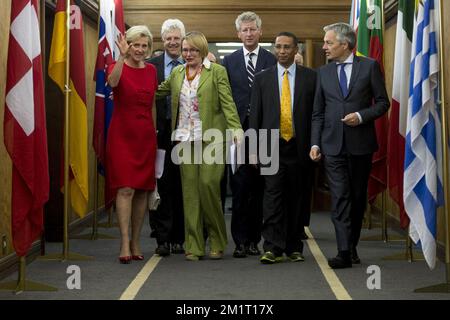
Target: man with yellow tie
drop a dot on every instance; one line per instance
(281, 103)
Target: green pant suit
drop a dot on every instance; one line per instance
(201, 182)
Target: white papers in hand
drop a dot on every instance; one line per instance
(233, 158)
(159, 163)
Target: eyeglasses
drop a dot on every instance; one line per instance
(191, 51)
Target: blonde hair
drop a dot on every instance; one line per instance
(137, 32)
(198, 41)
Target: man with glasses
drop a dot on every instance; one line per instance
(167, 221)
(282, 99)
(246, 183)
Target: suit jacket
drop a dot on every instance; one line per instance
(161, 105)
(367, 95)
(216, 106)
(265, 106)
(237, 74)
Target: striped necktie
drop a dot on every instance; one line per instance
(250, 69)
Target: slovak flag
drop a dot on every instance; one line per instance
(110, 24)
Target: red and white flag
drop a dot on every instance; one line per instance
(25, 131)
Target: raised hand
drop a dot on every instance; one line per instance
(123, 46)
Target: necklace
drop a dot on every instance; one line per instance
(190, 78)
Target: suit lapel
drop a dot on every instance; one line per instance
(241, 65)
(204, 76)
(177, 83)
(298, 83)
(355, 72)
(261, 61)
(332, 74)
(161, 68)
(276, 95)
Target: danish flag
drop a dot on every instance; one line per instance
(25, 133)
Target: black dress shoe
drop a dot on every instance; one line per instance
(252, 250)
(239, 252)
(163, 249)
(355, 258)
(339, 263)
(177, 248)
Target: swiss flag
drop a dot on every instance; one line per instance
(25, 132)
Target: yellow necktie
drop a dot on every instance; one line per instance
(286, 130)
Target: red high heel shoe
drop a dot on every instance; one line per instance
(138, 257)
(125, 259)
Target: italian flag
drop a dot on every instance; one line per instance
(400, 94)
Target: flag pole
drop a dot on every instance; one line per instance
(384, 232)
(44, 67)
(94, 235)
(410, 255)
(384, 236)
(22, 284)
(443, 287)
(66, 136)
(66, 255)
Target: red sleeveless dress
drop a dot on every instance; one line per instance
(131, 141)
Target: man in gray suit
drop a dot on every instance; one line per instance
(350, 96)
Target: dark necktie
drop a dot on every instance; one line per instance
(173, 64)
(343, 79)
(250, 69)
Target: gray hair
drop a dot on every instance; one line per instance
(136, 32)
(171, 25)
(344, 33)
(248, 17)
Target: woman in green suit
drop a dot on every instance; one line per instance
(201, 100)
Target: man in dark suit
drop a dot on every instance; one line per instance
(246, 183)
(282, 101)
(350, 96)
(167, 221)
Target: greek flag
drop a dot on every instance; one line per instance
(422, 190)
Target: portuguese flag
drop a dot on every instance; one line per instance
(370, 44)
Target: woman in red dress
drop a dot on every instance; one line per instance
(131, 142)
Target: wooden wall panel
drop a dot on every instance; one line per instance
(238, 5)
(446, 50)
(216, 18)
(304, 25)
(5, 161)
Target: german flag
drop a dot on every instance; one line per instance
(78, 127)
